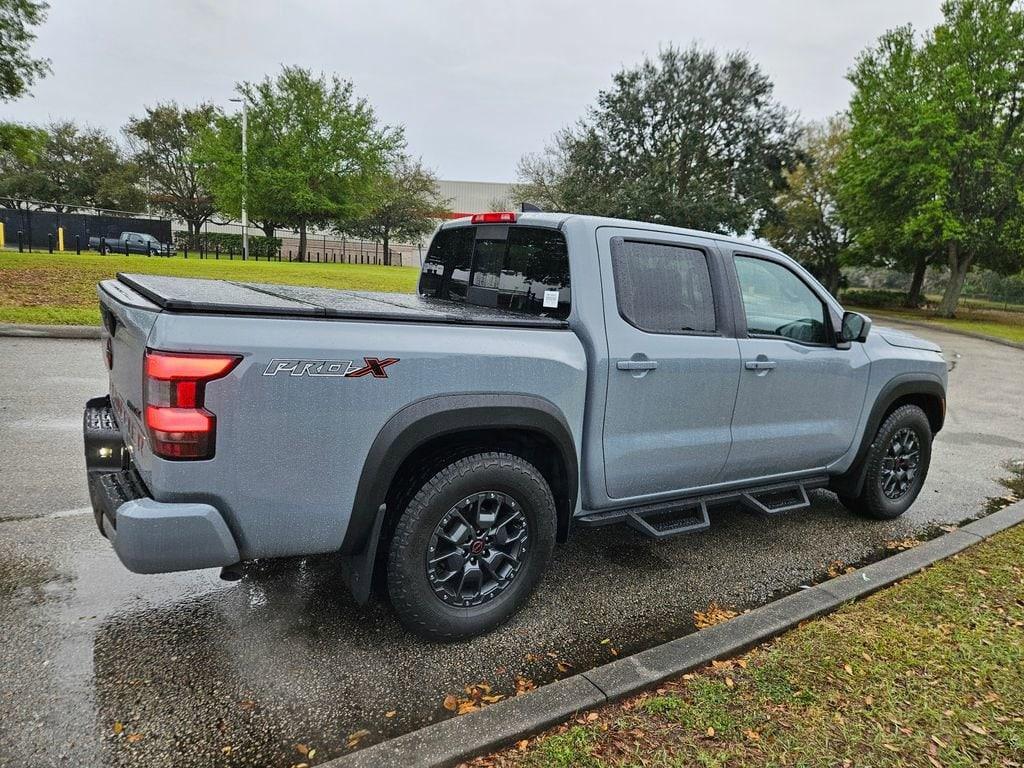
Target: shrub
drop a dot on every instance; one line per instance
(875, 298)
(260, 246)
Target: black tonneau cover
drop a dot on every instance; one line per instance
(191, 295)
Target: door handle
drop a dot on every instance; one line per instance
(636, 365)
(760, 365)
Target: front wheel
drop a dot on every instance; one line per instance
(897, 464)
(471, 546)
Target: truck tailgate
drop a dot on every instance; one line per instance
(128, 319)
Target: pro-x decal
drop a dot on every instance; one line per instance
(372, 366)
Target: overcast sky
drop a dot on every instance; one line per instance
(476, 84)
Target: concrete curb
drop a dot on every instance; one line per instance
(50, 331)
(461, 738)
(939, 327)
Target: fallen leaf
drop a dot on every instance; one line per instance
(591, 716)
(302, 749)
(134, 738)
(869, 700)
(226, 750)
(564, 666)
(522, 745)
(606, 641)
(711, 731)
(729, 683)
(752, 735)
(848, 669)
(354, 738)
(118, 727)
(939, 742)
(976, 729)
(715, 614)
(450, 703)
(523, 685)
(390, 714)
(899, 545)
(312, 754)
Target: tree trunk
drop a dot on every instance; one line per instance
(959, 265)
(268, 229)
(302, 241)
(387, 253)
(830, 275)
(917, 281)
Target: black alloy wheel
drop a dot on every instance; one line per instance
(477, 549)
(899, 467)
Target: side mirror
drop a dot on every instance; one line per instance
(855, 327)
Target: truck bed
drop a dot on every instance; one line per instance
(191, 295)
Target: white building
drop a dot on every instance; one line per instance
(469, 197)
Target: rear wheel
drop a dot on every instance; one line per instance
(471, 546)
(897, 464)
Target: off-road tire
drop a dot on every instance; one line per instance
(418, 607)
(872, 501)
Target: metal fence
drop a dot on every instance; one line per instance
(39, 226)
(29, 227)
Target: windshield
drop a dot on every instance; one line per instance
(523, 269)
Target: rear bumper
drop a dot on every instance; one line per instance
(148, 536)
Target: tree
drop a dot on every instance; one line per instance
(405, 204)
(314, 153)
(876, 196)
(163, 146)
(18, 69)
(72, 167)
(936, 145)
(690, 139)
(806, 222)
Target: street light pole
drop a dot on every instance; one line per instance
(245, 177)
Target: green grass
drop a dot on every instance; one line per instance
(927, 672)
(1002, 325)
(60, 289)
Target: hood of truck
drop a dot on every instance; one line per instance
(904, 339)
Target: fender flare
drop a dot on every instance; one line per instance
(852, 481)
(422, 421)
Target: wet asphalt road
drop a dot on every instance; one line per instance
(208, 673)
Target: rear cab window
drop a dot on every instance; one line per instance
(518, 268)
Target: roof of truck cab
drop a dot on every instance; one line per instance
(558, 221)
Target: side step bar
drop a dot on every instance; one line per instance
(660, 521)
(776, 500)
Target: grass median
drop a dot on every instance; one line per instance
(1007, 325)
(929, 672)
(60, 289)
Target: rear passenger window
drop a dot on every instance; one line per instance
(663, 288)
(445, 272)
(522, 269)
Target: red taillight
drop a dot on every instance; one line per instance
(502, 217)
(179, 426)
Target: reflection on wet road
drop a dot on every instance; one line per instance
(104, 667)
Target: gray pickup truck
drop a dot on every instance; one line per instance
(130, 242)
(553, 371)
